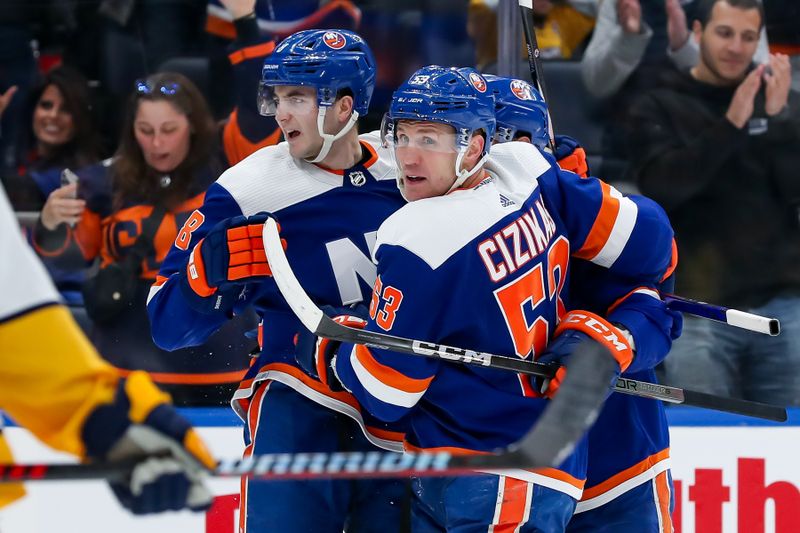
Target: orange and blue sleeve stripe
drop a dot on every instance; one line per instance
(381, 381)
(630, 235)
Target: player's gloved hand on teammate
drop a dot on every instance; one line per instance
(575, 328)
(571, 156)
(229, 256)
(315, 354)
(140, 423)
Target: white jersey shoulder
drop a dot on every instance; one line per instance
(434, 229)
(518, 167)
(270, 179)
(24, 283)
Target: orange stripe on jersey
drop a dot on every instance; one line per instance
(388, 375)
(673, 262)
(251, 52)
(625, 475)
(561, 476)
(220, 27)
(308, 381)
(603, 224)
(662, 491)
(160, 280)
(386, 434)
(513, 504)
(552, 473)
(252, 423)
(237, 146)
(169, 378)
(373, 156)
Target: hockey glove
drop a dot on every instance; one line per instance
(231, 254)
(315, 354)
(141, 423)
(575, 328)
(571, 156)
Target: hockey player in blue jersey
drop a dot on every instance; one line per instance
(330, 189)
(480, 258)
(628, 486)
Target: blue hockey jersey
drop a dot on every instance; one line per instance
(329, 220)
(487, 269)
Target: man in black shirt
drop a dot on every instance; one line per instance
(719, 148)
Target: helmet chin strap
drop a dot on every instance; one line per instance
(463, 175)
(327, 138)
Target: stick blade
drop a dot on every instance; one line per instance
(567, 418)
(294, 294)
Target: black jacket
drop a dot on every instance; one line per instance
(732, 195)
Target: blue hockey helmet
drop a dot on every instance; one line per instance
(519, 109)
(329, 60)
(458, 97)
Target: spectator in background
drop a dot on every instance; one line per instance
(718, 148)
(561, 29)
(168, 156)
(633, 41)
(63, 135)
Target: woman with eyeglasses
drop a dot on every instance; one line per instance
(170, 151)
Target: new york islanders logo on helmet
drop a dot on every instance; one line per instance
(522, 90)
(334, 40)
(478, 82)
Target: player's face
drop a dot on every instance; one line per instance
(52, 122)
(728, 43)
(163, 133)
(296, 113)
(426, 155)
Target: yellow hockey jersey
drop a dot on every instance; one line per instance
(51, 377)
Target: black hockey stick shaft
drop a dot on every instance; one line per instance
(532, 46)
(321, 325)
(534, 61)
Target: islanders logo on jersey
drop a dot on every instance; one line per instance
(522, 90)
(334, 40)
(478, 82)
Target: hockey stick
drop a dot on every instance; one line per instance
(267, 466)
(534, 62)
(562, 424)
(732, 317)
(321, 325)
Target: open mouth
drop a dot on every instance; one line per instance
(292, 134)
(415, 179)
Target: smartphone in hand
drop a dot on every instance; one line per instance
(68, 177)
